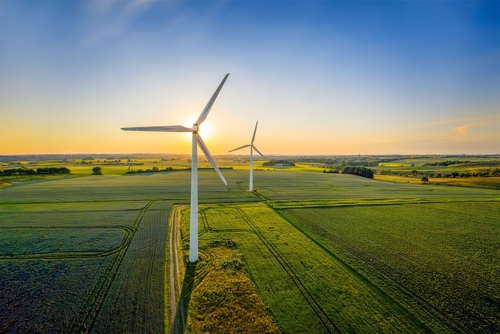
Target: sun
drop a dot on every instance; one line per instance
(205, 130)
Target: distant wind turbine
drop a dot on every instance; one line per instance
(196, 141)
(252, 147)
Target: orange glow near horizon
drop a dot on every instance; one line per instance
(221, 137)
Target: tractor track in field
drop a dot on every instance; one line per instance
(204, 220)
(85, 319)
(320, 313)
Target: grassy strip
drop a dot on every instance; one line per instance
(226, 296)
(217, 293)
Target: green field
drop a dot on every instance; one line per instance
(318, 252)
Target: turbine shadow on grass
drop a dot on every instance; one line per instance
(180, 320)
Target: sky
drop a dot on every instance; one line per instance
(321, 77)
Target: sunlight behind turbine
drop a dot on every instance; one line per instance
(196, 142)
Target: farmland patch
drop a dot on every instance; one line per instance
(68, 265)
(444, 255)
(305, 288)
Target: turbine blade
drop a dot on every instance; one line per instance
(205, 111)
(240, 147)
(169, 128)
(262, 155)
(255, 131)
(204, 148)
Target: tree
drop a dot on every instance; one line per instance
(96, 171)
(424, 180)
(361, 171)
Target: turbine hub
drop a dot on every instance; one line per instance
(196, 127)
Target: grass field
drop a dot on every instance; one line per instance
(476, 182)
(368, 268)
(444, 255)
(309, 252)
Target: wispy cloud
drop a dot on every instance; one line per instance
(464, 128)
(456, 120)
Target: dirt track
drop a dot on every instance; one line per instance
(177, 310)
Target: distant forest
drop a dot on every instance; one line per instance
(354, 170)
(29, 171)
(278, 162)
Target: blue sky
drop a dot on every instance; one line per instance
(322, 77)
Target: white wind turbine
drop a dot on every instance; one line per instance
(196, 141)
(252, 147)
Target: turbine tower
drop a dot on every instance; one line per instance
(252, 147)
(196, 141)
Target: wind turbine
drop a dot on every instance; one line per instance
(252, 147)
(196, 141)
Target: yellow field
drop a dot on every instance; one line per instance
(478, 182)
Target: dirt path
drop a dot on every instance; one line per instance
(175, 271)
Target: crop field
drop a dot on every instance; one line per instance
(167, 186)
(295, 186)
(466, 169)
(60, 261)
(479, 182)
(338, 269)
(87, 254)
(444, 255)
(308, 252)
(81, 267)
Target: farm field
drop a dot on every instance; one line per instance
(287, 185)
(315, 251)
(479, 182)
(87, 254)
(444, 255)
(365, 268)
(60, 260)
(174, 186)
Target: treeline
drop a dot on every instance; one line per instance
(339, 165)
(155, 170)
(168, 169)
(484, 173)
(361, 171)
(446, 163)
(278, 162)
(355, 170)
(26, 171)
